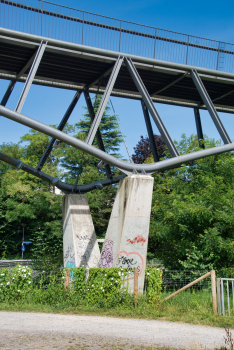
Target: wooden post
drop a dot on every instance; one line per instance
(213, 288)
(67, 279)
(136, 284)
(218, 295)
(188, 285)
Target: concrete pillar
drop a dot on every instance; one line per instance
(127, 234)
(80, 246)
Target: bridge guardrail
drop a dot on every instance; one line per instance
(45, 18)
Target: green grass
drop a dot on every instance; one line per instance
(186, 307)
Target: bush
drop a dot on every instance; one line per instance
(15, 284)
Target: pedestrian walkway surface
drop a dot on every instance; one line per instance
(20, 330)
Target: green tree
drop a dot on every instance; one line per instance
(29, 200)
(192, 220)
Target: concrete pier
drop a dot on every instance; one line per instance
(80, 246)
(127, 235)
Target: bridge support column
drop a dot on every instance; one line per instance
(80, 246)
(127, 235)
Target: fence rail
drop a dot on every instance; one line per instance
(48, 19)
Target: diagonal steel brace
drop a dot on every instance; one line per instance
(31, 76)
(13, 81)
(210, 106)
(98, 134)
(102, 106)
(60, 127)
(151, 107)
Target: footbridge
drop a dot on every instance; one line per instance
(47, 44)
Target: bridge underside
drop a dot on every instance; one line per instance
(72, 69)
(44, 61)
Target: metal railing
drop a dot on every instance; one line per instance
(227, 296)
(47, 19)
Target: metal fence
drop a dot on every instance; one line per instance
(175, 279)
(64, 23)
(226, 302)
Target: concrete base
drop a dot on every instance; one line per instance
(126, 238)
(80, 246)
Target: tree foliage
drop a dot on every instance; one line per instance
(192, 219)
(143, 149)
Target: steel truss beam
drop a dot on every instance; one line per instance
(126, 167)
(151, 107)
(150, 132)
(199, 128)
(98, 134)
(173, 82)
(210, 107)
(60, 127)
(95, 82)
(14, 81)
(224, 95)
(105, 97)
(31, 76)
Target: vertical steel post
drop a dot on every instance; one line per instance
(31, 76)
(187, 51)
(228, 298)
(102, 106)
(223, 304)
(83, 30)
(199, 127)
(120, 35)
(155, 43)
(218, 296)
(150, 132)
(217, 65)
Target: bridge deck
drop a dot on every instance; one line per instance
(67, 67)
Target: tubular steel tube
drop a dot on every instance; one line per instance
(66, 188)
(125, 167)
(113, 54)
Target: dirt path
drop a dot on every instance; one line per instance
(50, 331)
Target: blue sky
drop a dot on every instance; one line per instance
(209, 19)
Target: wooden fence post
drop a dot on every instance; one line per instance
(67, 279)
(136, 284)
(213, 288)
(218, 296)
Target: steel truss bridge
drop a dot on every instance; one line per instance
(111, 67)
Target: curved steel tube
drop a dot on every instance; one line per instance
(66, 188)
(125, 167)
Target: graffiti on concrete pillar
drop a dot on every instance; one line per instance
(137, 239)
(130, 261)
(107, 254)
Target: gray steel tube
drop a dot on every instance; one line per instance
(109, 53)
(127, 168)
(66, 188)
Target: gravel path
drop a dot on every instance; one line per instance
(50, 331)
